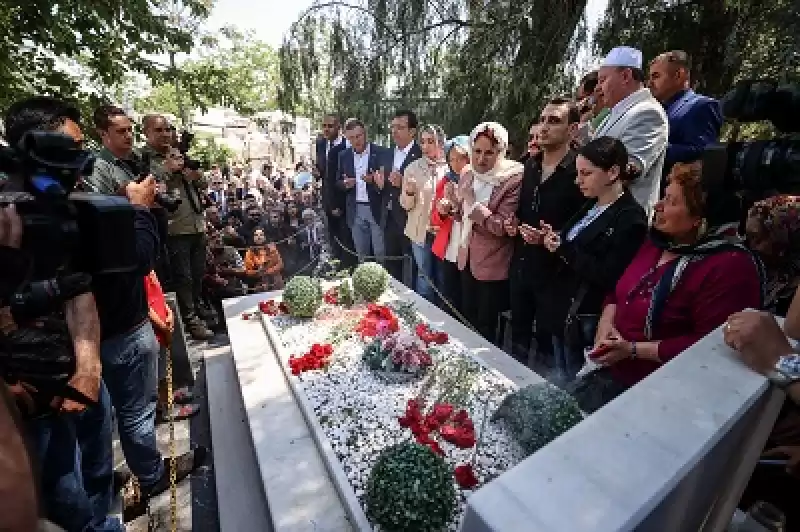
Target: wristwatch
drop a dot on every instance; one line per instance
(786, 371)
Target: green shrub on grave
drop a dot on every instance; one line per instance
(538, 414)
(370, 281)
(410, 488)
(302, 296)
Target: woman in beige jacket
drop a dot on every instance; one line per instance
(418, 191)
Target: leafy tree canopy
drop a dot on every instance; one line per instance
(455, 62)
(238, 72)
(113, 37)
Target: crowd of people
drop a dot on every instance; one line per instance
(602, 242)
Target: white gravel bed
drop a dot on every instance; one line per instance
(359, 411)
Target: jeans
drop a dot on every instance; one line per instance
(569, 359)
(367, 233)
(74, 453)
(426, 263)
(187, 259)
(130, 369)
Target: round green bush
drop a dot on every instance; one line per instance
(410, 488)
(303, 296)
(370, 281)
(538, 414)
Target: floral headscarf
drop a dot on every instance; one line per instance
(778, 218)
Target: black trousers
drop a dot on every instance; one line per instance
(482, 302)
(187, 258)
(523, 296)
(397, 244)
(450, 280)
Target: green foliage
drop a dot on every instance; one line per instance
(208, 152)
(303, 296)
(239, 72)
(345, 293)
(112, 38)
(370, 281)
(538, 414)
(410, 488)
(727, 40)
(455, 62)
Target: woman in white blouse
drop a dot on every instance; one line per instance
(418, 191)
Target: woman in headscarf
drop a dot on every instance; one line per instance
(418, 192)
(487, 194)
(448, 237)
(773, 231)
(683, 283)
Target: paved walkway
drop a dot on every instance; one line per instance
(197, 496)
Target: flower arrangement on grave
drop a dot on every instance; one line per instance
(318, 357)
(399, 352)
(379, 320)
(302, 296)
(370, 281)
(430, 336)
(410, 488)
(270, 307)
(538, 414)
(442, 419)
(341, 294)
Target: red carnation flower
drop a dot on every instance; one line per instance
(442, 411)
(283, 308)
(461, 416)
(434, 446)
(245, 315)
(465, 476)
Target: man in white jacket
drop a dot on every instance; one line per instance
(636, 118)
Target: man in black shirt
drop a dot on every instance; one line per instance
(549, 196)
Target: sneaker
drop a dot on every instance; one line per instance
(198, 330)
(186, 464)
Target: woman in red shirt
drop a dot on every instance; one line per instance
(682, 284)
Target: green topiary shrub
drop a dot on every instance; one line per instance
(370, 281)
(410, 488)
(303, 296)
(538, 414)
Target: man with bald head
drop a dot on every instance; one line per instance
(186, 243)
(694, 119)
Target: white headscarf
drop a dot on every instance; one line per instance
(483, 183)
(503, 168)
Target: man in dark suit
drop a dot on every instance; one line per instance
(363, 173)
(333, 198)
(694, 119)
(406, 150)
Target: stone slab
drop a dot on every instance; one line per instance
(292, 476)
(646, 454)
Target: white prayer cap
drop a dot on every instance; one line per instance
(624, 56)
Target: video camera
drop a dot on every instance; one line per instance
(64, 230)
(758, 168)
(169, 203)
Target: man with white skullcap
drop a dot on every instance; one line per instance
(636, 118)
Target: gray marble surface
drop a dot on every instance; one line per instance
(291, 472)
(656, 458)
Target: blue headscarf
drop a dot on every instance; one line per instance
(461, 141)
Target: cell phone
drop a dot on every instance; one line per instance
(600, 351)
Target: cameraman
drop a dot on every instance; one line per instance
(186, 241)
(76, 493)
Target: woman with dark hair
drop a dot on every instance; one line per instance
(773, 231)
(683, 283)
(595, 246)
